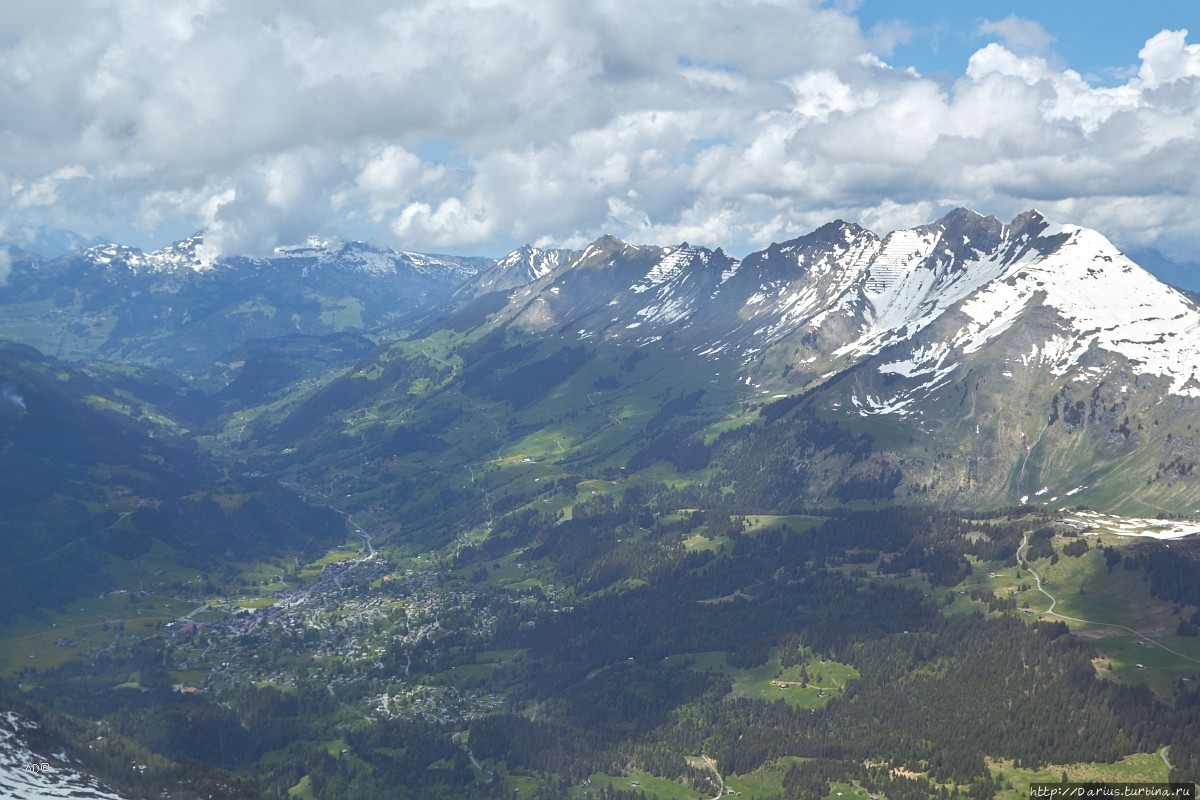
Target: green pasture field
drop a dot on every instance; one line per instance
(846, 791)
(1115, 603)
(797, 522)
(698, 541)
(764, 782)
(771, 682)
(486, 662)
(343, 313)
(33, 643)
(302, 790)
(345, 552)
(638, 781)
(519, 785)
(1137, 768)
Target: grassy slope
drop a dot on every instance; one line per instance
(583, 428)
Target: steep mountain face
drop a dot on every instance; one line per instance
(519, 268)
(1035, 354)
(841, 288)
(841, 295)
(1057, 369)
(614, 291)
(1073, 293)
(177, 307)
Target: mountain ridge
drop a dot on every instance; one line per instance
(1032, 355)
(860, 292)
(172, 308)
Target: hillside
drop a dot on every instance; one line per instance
(100, 471)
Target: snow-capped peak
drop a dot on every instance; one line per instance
(1084, 309)
(533, 261)
(520, 268)
(1105, 301)
(842, 295)
(186, 254)
(191, 254)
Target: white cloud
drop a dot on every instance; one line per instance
(44, 191)
(1167, 58)
(1018, 34)
(452, 222)
(462, 124)
(5, 267)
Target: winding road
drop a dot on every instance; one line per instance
(461, 742)
(364, 535)
(1054, 601)
(712, 765)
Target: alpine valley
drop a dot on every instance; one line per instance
(906, 516)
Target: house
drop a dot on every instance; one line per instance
(186, 629)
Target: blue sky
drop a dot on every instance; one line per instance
(474, 126)
(1099, 38)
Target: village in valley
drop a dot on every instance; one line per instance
(378, 638)
(386, 641)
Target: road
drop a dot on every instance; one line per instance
(712, 765)
(365, 536)
(458, 738)
(358, 530)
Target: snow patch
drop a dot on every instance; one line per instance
(26, 775)
(1134, 526)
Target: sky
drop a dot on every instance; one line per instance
(474, 126)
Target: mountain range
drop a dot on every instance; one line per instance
(843, 294)
(178, 307)
(980, 335)
(988, 363)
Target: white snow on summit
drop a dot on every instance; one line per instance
(930, 296)
(671, 265)
(905, 294)
(186, 254)
(1105, 300)
(521, 267)
(1100, 301)
(191, 254)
